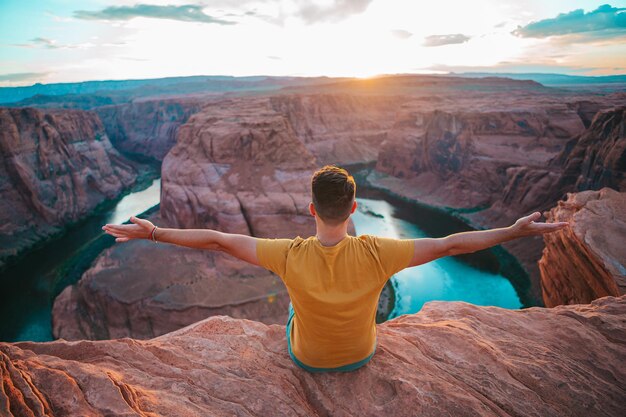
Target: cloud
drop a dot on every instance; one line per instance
(23, 76)
(605, 21)
(45, 42)
(53, 44)
(440, 40)
(338, 10)
(185, 13)
(401, 33)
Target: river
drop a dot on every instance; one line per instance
(444, 279)
(29, 287)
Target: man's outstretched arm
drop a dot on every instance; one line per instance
(239, 246)
(429, 249)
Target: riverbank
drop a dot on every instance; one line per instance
(147, 172)
(30, 286)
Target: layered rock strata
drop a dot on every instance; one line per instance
(140, 289)
(493, 167)
(55, 168)
(238, 169)
(147, 128)
(450, 359)
(242, 165)
(597, 158)
(587, 260)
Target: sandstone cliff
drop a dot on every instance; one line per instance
(56, 166)
(596, 158)
(588, 259)
(234, 168)
(239, 166)
(450, 359)
(242, 165)
(140, 289)
(493, 167)
(147, 128)
(339, 128)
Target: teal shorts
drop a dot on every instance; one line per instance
(345, 368)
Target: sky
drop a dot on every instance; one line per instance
(50, 41)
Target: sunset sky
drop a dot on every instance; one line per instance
(61, 41)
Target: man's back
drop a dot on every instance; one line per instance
(334, 291)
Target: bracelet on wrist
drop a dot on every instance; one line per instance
(152, 235)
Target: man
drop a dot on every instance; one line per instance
(333, 279)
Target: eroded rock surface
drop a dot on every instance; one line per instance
(492, 167)
(450, 359)
(237, 169)
(148, 127)
(239, 166)
(587, 260)
(141, 289)
(597, 158)
(56, 166)
(243, 165)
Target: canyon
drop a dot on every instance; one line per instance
(483, 150)
(147, 128)
(57, 166)
(242, 165)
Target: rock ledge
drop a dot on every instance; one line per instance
(449, 359)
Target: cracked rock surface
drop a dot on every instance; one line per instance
(450, 359)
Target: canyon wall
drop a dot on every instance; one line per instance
(452, 358)
(339, 128)
(238, 166)
(586, 260)
(596, 158)
(242, 165)
(491, 168)
(147, 128)
(234, 168)
(55, 168)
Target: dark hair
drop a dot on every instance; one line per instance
(333, 191)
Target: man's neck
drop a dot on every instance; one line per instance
(330, 235)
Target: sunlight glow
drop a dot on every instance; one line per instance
(285, 37)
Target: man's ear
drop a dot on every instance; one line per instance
(353, 207)
(312, 209)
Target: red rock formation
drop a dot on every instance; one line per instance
(140, 289)
(597, 158)
(588, 259)
(450, 359)
(147, 128)
(493, 167)
(55, 168)
(339, 128)
(466, 160)
(238, 169)
(238, 166)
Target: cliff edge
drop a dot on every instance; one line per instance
(449, 359)
(588, 259)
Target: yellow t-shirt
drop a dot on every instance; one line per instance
(334, 291)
